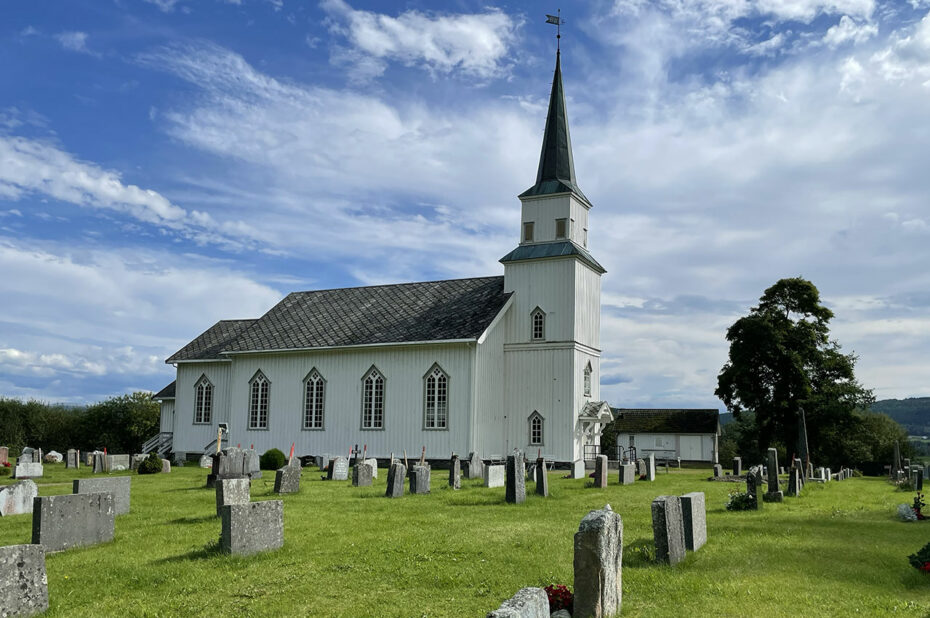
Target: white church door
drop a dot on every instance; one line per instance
(691, 448)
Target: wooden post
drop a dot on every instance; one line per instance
(219, 440)
(406, 465)
(423, 456)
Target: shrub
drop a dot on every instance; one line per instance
(272, 460)
(921, 559)
(906, 513)
(560, 597)
(151, 464)
(4, 471)
(740, 501)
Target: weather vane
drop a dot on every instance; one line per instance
(558, 21)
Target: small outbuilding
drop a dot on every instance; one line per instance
(668, 433)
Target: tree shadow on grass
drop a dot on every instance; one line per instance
(194, 520)
(197, 488)
(639, 553)
(210, 550)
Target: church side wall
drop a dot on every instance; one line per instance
(166, 418)
(588, 306)
(489, 393)
(189, 437)
(548, 284)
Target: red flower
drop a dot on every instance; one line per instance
(926, 567)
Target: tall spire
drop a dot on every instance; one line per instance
(556, 168)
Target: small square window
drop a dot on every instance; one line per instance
(561, 226)
(528, 231)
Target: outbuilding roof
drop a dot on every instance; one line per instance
(665, 420)
(167, 392)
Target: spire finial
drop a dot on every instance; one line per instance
(557, 20)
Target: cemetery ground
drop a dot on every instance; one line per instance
(836, 550)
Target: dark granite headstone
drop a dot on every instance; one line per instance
(73, 459)
(774, 494)
(252, 528)
(119, 486)
(361, 475)
(600, 472)
(737, 466)
(718, 471)
(542, 478)
(515, 480)
(455, 473)
(75, 520)
(694, 520)
(23, 581)
(668, 529)
(395, 481)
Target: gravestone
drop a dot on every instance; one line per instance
(165, 466)
(651, 467)
(419, 479)
(527, 603)
(737, 466)
(374, 466)
(641, 469)
(28, 456)
(542, 478)
(252, 528)
(774, 494)
(89, 458)
(119, 486)
(361, 475)
(668, 529)
(100, 463)
(23, 580)
(116, 463)
(627, 474)
(516, 480)
(322, 462)
(754, 487)
(232, 491)
(17, 499)
(919, 480)
(136, 459)
(287, 480)
(800, 468)
(578, 471)
(52, 457)
(4, 455)
(494, 476)
(395, 480)
(475, 466)
(598, 563)
(820, 473)
(73, 459)
(339, 469)
(38, 456)
(694, 520)
(455, 473)
(252, 464)
(828, 474)
(72, 520)
(718, 471)
(28, 470)
(600, 472)
(794, 482)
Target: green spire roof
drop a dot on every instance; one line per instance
(556, 169)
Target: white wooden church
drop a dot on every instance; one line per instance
(481, 365)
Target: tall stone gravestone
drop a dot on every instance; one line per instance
(17, 499)
(627, 473)
(287, 479)
(252, 464)
(73, 459)
(395, 480)
(23, 581)
(919, 480)
(794, 482)
(515, 492)
(119, 486)
(774, 494)
(718, 471)
(694, 520)
(100, 463)
(4, 455)
(668, 529)
(800, 468)
(338, 469)
(72, 520)
(374, 466)
(754, 487)
(455, 473)
(232, 491)
(641, 469)
(252, 528)
(598, 563)
(419, 479)
(542, 478)
(651, 467)
(600, 472)
(361, 475)
(475, 466)
(737, 466)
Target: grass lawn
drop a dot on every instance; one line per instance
(837, 550)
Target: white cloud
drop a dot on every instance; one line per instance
(165, 6)
(768, 47)
(74, 41)
(848, 30)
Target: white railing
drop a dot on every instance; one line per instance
(160, 443)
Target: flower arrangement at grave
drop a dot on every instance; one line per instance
(906, 513)
(921, 559)
(560, 597)
(740, 501)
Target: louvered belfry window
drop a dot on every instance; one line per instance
(373, 400)
(258, 402)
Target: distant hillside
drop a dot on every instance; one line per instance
(912, 413)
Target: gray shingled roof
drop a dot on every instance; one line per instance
(212, 341)
(550, 250)
(167, 392)
(665, 420)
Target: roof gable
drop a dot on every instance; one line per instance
(665, 420)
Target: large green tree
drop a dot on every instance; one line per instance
(782, 360)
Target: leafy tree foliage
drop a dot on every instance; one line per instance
(782, 359)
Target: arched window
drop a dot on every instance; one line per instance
(538, 321)
(259, 393)
(536, 425)
(203, 401)
(436, 399)
(587, 380)
(373, 400)
(314, 400)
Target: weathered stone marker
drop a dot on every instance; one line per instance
(737, 466)
(28, 456)
(494, 476)
(395, 480)
(165, 466)
(287, 479)
(641, 468)
(339, 469)
(252, 528)
(455, 473)
(75, 520)
(119, 486)
(794, 482)
(694, 520)
(232, 491)
(475, 466)
(100, 463)
(598, 564)
(651, 467)
(115, 463)
(627, 473)
(419, 479)
(774, 494)
(23, 581)
(4, 455)
(28, 470)
(542, 478)
(371, 461)
(600, 472)
(73, 459)
(527, 603)
(578, 471)
(361, 475)
(17, 499)
(919, 480)
(668, 529)
(718, 471)
(516, 480)
(754, 487)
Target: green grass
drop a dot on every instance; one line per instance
(837, 550)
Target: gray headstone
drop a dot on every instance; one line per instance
(718, 471)
(252, 528)
(374, 466)
(737, 466)
(28, 470)
(598, 563)
(527, 603)
(165, 466)
(754, 487)
(600, 472)
(116, 463)
(252, 464)
(651, 467)
(794, 482)
(668, 529)
(455, 473)
(100, 463)
(232, 491)
(28, 455)
(16, 499)
(475, 466)
(23, 581)
(119, 486)
(694, 520)
(339, 469)
(578, 471)
(287, 480)
(75, 520)
(774, 494)
(542, 478)
(73, 459)
(361, 475)
(395, 481)
(135, 460)
(419, 479)
(627, 474)
(493, 476)
(206, 461)
(515, 480)
(828, 474)
(641, 468)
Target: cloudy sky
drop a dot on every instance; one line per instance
(165, 164)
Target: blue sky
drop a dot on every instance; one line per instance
(169, 163)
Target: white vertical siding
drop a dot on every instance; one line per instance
(543, 211)
(166, 419)
(491, 381)
(587, 294)
(188, 436)
(647, 443)
(547, 284)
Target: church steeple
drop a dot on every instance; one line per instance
(556, 172)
